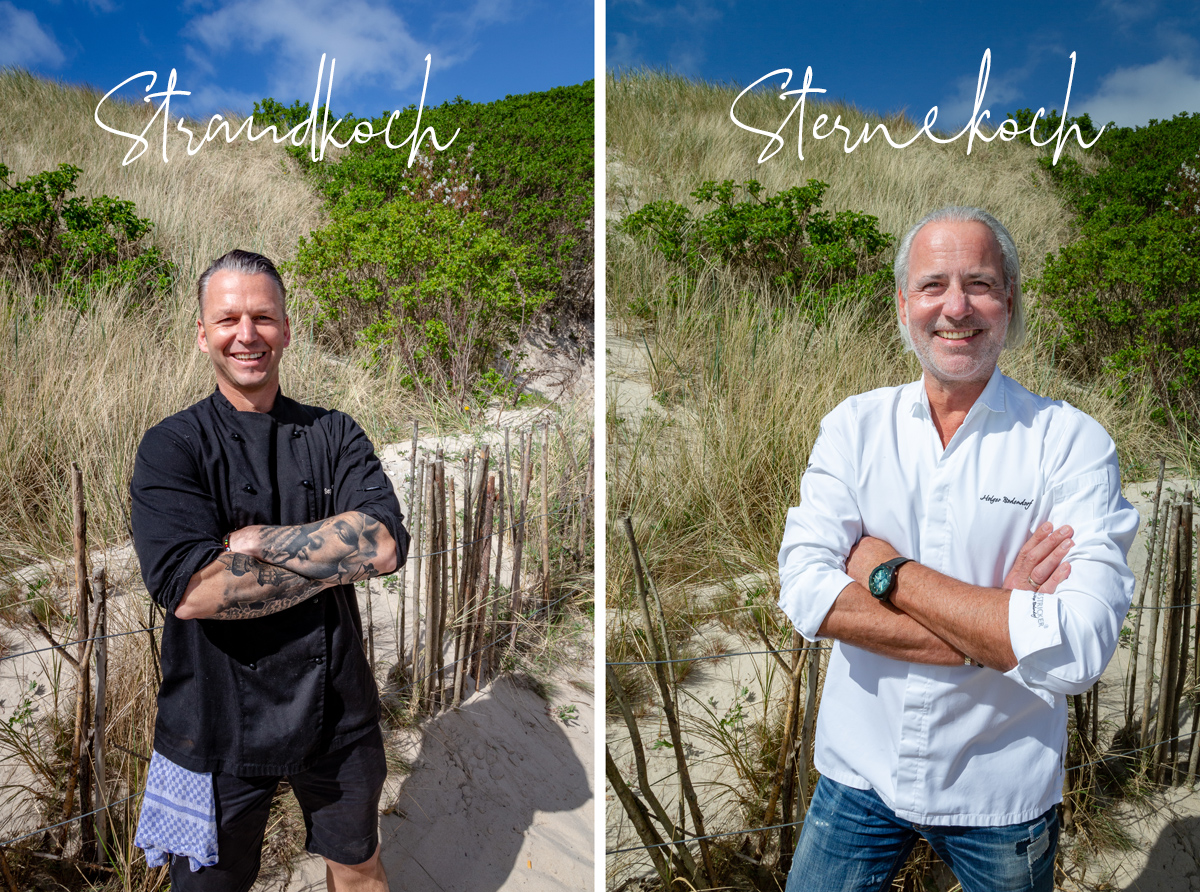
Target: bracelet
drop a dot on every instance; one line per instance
(225, 542)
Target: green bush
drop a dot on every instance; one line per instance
(527, 162)
(77, 244)
(436, 287)
(1126, 294)
(816, 258)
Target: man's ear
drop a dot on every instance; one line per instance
(902, 306)
(287, 331)
(201, 339)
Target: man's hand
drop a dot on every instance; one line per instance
(271, 568)
(343, 548)
(1039, 566)
(951, 618)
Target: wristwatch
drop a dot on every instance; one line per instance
(882, 580)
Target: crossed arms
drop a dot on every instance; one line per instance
(270, 568)
(933, 618)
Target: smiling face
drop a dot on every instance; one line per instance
(956, 307)
(244, 331)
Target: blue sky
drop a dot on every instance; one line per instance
(230, 53)
(1135, 60)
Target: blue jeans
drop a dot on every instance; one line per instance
(852, 842)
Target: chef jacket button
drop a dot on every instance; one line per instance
(297, 433)
(306, 483)
(318, 659)
(252, 665)
(249, 488)
(237, 437)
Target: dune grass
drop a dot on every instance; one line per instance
(746, 377)
(740, 377)
(83, 388)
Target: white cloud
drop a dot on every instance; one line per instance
(369, 40)
(23, 40)
(1132, 96)
(1003, 91)
(1126, 12)
(623, 51)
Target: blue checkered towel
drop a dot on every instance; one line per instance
(178, 816)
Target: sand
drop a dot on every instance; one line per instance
(499, 796)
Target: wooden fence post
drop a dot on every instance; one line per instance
(1155, 610)
(1152, 547)
(100, 713)
(546, 517)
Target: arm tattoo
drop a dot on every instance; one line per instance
(336, 550)
(256, 588)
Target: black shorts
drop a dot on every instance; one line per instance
(339, 796)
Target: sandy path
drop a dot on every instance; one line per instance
(499, 797)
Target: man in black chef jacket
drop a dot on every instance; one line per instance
(253, 516)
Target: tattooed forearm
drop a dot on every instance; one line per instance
(254, 588)
(344, 548)
(270, 568)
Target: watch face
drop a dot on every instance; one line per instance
(881, 579)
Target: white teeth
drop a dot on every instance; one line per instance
(957, 335)
(249, 357)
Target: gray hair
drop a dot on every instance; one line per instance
(1015, 336)
(248, 264)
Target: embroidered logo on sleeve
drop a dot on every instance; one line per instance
(991, 499)
(1038, 612)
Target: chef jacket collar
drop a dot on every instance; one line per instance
(278, 408)
(992, 397)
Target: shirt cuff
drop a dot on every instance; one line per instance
(1033, 626)
(808, 606)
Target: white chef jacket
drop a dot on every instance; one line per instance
(960, 745)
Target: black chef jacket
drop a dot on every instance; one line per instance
(267, 695)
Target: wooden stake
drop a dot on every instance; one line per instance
(1170, 643)
(494, 634)
(432, 574)
(806, 732)
(785, 760)
(412, 520)
(617, 691)
(487, 506)
(585, 499)
(1185, 610)
(455, 674)
(1152, 638)
(100, 713)
(668, 702)
(519, 532)
(546, 517)
(419, 514)
(1154, 545)
(443, 546)
(79, 773)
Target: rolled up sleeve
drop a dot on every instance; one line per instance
(175, 520)
(1063, 641)
(819, 534)
(360, 484)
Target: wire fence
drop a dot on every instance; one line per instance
(407, 687)
(693, 838)
(720, 656)
(77, 641)
(486, 501)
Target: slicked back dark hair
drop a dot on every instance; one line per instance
(248, 264)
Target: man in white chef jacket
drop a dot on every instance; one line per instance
(963, 543)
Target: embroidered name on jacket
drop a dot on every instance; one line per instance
(1023, 503)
